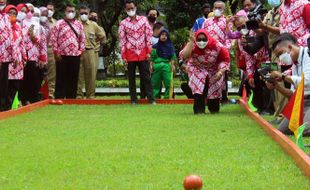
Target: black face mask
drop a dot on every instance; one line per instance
(93, 19)
(206, 15)
(152, 19)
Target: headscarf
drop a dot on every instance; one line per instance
(8, 8)
(211, 42)
(20, 6)
(165, 49)
(242, 13)
(14, 25)
(29, 5)
(37, 11)
(42, 10)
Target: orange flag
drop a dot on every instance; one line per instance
(294, 110)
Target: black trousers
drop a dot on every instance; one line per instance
(187, 90)
(67, 75)
(200, 102)
(3, 85)
(262, 97)
(31, 84)
(14, 87)
(225, 91)
(144, 77)
(143, 93)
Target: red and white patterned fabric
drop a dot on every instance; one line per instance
(135, 38)
(292, 20)
(216, 28)
(17, 73)
(36, 49)
(204, 64)
(6, 38)
(64, 40)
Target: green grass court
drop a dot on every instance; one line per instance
(124, 147)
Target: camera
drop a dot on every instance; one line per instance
(254, 16)
(265, 69)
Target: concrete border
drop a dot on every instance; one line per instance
(301, 159)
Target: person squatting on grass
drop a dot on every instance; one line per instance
(162, 60)
(208, 60)
(289, 53)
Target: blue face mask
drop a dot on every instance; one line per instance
(274, 3)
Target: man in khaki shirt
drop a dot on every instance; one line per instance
(89, 60)
(94, 17)
(51, 65)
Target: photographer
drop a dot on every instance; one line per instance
(286, 48)
(251, 62)
(270, 28)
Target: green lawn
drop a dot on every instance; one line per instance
(140, 147)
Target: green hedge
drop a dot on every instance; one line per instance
(123, 83)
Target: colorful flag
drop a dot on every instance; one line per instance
(294, 110)
(299, 139)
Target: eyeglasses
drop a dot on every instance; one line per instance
(201, 39)
(83, 13)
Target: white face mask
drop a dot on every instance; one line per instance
(43, 19)
(50, 13)
(202, 44)
(2, 7)
(244, 31)
(21, 16)
(286, 59)
(70, 15)
(131, 13)
(36, 19)
(217, 13)
(84, 17)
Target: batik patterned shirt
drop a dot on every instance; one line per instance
(6, 38)
(64, 41)
(216, 28)
(292, 21)
(135, 38)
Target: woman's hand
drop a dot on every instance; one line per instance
(191, 36)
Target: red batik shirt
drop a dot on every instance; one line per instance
(6, 38)
(64, 41)
(36, 49)
(216, 27)
(17, 73)
(135, 38)
(204, 64)
(293, 20)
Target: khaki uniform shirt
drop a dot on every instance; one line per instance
(272, 19)
(97, 49)
(93, 33)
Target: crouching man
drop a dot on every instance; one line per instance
(289, 53)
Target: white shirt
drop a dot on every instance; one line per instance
(302, 65)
